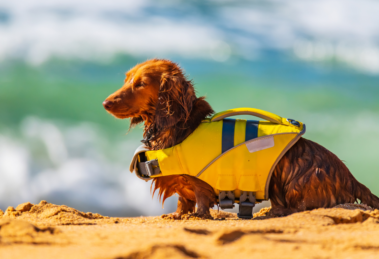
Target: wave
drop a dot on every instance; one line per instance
(70, 165)
(74, 164)
(318, 31)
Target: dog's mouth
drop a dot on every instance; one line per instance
(121, 115)
(118, 110)
(123, 112)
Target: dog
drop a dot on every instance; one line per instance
(158, 94)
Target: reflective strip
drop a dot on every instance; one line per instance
(260, 144)
(228, 126)
(251, 130)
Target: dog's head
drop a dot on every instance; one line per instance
(155, 91)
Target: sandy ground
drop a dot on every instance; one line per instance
(46, 230)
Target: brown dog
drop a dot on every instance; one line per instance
(157, 93)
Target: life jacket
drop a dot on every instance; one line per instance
(236, 157)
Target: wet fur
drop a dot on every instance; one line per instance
(307, 177)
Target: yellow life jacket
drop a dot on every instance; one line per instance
(229, 154)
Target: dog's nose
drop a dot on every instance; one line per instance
(107, 104)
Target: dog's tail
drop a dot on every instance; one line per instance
(366, 196)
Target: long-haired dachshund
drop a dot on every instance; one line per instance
(158, 94)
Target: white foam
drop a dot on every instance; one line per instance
(85, 29)
(68, 163)
(344, 30)
(39, 31)
(90, 175)
(14, 168)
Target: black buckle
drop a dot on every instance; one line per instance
(247, 203)
(226, 199)
(294, 122)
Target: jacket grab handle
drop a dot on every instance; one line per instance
(248, 111)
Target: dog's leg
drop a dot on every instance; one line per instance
(169, 185)
(279, 211)
(191, 191)
(203, 204)
(205, 196)
(185, 206)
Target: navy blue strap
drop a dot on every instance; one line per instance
(228, 126)
(251, 129)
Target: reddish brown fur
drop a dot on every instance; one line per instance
(157, 93)
(309, 176)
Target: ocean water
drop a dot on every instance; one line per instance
(317, 62)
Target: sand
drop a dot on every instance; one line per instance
(46, 230)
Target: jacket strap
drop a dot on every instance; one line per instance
(141, 149)
(142, 168)
(247, 203)
(226, 199)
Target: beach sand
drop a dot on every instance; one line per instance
(46, 230)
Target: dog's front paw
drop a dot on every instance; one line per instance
(197, 216)
(174, 215)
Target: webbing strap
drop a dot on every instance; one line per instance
(228, 131)
(251, 129)
(228, 127)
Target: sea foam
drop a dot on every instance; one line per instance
(314, 31)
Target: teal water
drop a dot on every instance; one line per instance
(69, 150)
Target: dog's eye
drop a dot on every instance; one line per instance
(141, 84)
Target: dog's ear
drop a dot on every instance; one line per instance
(175, 100)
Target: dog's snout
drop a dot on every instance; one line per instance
(108, 104)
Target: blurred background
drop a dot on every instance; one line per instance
(314, 61)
